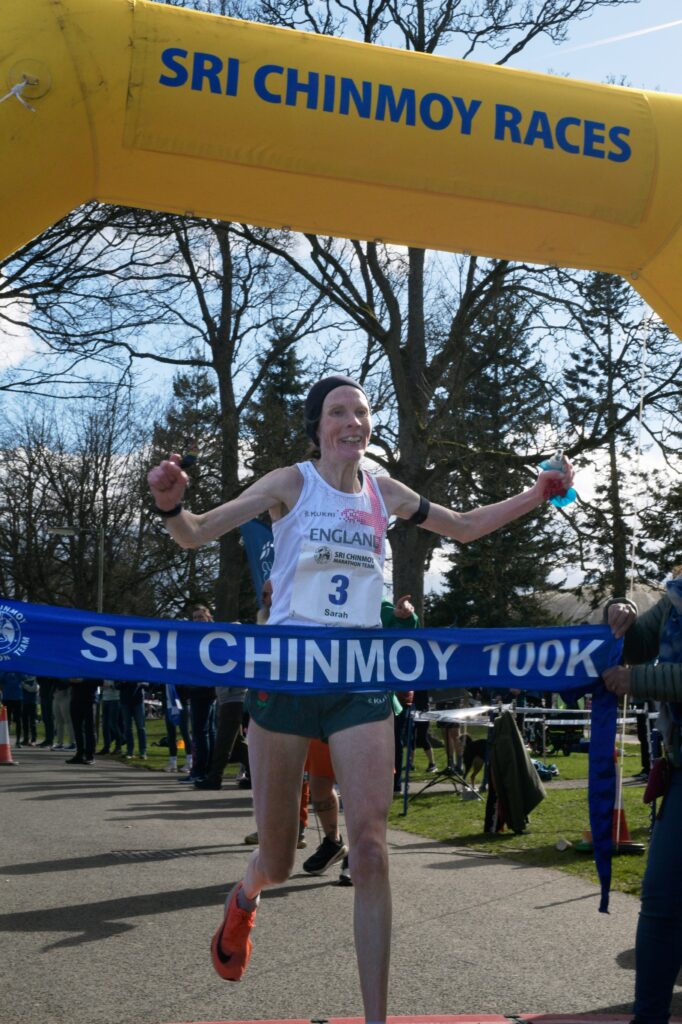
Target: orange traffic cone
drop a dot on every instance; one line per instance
(621, 840)
(5, 748)
(619, 826)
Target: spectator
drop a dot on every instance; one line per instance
(133, 711)
(83, 694)
(421, 737)
(325, 803)
(657, 634)
(29, 710)
(110, 709)
(12, 698)
(47, 687)
(229, 739)
(61, 707)
(176, 716)
(642, 709)
(201, 713)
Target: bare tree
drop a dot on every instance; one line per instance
(122, 289)
(70, 507)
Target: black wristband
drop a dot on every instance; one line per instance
(422, 512)
(170, 512)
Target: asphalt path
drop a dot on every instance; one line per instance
(112, 881)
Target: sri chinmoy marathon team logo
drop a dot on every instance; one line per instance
(322, 556)
(12, 639)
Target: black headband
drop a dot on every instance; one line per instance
(316, 397)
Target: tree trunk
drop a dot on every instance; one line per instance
(411, 549)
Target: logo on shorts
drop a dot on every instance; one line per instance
(262, 698)
(12, 640)
(323, 555)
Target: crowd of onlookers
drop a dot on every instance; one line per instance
(85, 717)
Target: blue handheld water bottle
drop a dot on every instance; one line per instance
(569, 495)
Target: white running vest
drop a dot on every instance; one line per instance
(329, 556)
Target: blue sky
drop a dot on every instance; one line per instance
(640, 42)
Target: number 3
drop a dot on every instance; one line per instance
(341, 595)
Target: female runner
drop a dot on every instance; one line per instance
(329, 525)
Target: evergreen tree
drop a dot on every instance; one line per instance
(603, 387)
(191, 427)
(498, 579)
(273, 425)
(661, 523)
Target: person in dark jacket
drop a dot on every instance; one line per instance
(12, 697)
(83, 693)
(47, 688)
(133, 710)
(29, 710)
(657, 634)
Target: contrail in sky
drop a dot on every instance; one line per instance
(618, 39)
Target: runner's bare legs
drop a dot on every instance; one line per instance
(363, 760)
(276, 760)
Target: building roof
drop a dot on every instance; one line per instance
(571, 608)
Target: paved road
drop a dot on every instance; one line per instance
(112, 878)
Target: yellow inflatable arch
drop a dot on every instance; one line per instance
(141, 104)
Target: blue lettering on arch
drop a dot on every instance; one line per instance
(539, 128)
(362, 101)
(329, 94)
(232, 83)
(623, 150)
(406, 102)
(294, 86)
(260, 79)
(206, 66)
(507, 119)
(466, 113)
(170, 58)
(425, 105)
(594, 137)
(562, 126)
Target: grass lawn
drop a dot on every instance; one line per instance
(563, 814)
(157, 752)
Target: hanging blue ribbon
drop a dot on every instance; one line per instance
(602, 784)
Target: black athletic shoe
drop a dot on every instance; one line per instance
(344, 877)
(75, 760)
(327, 853)
(207, 783)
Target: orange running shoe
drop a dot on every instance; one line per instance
(231, 945)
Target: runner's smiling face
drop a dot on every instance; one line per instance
(345, 424)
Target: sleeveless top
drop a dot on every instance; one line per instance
(329, 556)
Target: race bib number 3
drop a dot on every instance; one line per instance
(337, 587)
